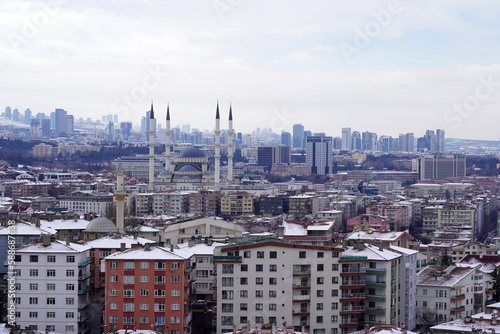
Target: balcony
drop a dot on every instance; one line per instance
(354, 283)
(376, 311)
(376, 271)
(298, 272)
(301, 297)
(457, 309)
(351, 310)
(227, 259)
(346, 295)
(85, 290)
(375, 297)
(302, 311)
(84, 276)
(457, 298)
(85, 262)
(377, 284)
(302, 286)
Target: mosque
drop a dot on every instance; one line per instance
(191, 170)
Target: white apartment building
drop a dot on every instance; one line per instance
(52, 287)
(453, 292)
(85, 201)
(171, 203)
(273, 282)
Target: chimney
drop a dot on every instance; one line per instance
(171, 247)
(45, 240)
(403, 329)
(122, 246)
(147, 247)
(367, 328)
(67, 241)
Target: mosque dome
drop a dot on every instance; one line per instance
(193, 153)
(100, 225)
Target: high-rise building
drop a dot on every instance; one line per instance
(110, 131)
(35, 127)
(356, 141)
(410, 142)
(15, 115)
(346, 139)
(8, 113)
(319, 154)
(40, 116)
(126, 128)
(306, 134)
(270, 155)
(298, 135)
(386, 143)
(27, 116)
(46, 127)
(70, 124)
(53, 120)
(368, 141)
(440, 167)
(440, 141)
(286, 138)
(61, 122)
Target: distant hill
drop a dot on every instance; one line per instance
(472, 146)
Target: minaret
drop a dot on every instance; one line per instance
(217, 148)
(120, 198)
(230, 147)
(167, 142)
(151, 148)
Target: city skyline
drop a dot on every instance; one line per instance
(366, 66)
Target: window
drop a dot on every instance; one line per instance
(319, 280)
(33, 272)
(159, 293)
(113, 306)
(51, 258)
(128, 320)
(247, 254)
(144, 265)
(273, 267)
(259, 293)
(128, 307)
(33, 314)
(201, 273)
(51, 272)
(33, 258)
(70, 315)
(259, 267)
(175, 306)
(70, 301)
(176, 279)
(70, 258)
(273, 254)
(244, 280)
(273, 280)
(160, 320)
(113, 265)
(243, 307)
(302, 255)
(272, 307)
(51, 301)
(319, 319)
(159, 265)
(70, 287)
(259, 320)
(176, 265)
(144, 319)
(335, 306)
(128, 266)
(319, 306)
(259, 307)
(335, 280)
(272, 293)
(159, 279)
(33, 300)
(335, 293)
(128, 293)
(144, 292)
(227, 294)
(226, 307)
(335, 318)
(335, 254)
(260, 254)
(144, 279)
(227, 268)
(320, 255)
(50, 287)
(335, 267)
(244, 267)
(51, 315)
(128, 279)
(259, 280)
(70, 273)
(51, 328)
(227, 281)
(113, 278)
(113, 319)
(144, 306)
(175, 320)
(227, 320)
(159, 307)
(243, 320)
(319, 293)
(175, 292)
(319, 267)
(33, 286)
(244, 294)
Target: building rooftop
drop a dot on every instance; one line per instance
(56, 246)
(443, 276)
(155, 253)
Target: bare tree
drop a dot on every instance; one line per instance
(426, 318)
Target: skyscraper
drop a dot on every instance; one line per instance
(286, 138)
(126, 129)
(440, 140)
(319, 154)
(46, 127)
(8, 112)
(346, 139)
(356, 140)
(15, 115)
(27, 116)
(61, 122)
(298, 135)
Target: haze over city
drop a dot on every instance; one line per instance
(327, 65)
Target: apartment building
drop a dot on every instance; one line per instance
(85, 201)
(148, 288)
(171, 203)
(300, 205)
(205, 202)
(52, 287)
(236, 204)
(453, 292)
(273, 281)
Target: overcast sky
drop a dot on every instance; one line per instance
(388, 67)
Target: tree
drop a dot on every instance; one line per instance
(426, 318)
(496, 284)
(445, 259)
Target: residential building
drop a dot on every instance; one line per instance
(88, 201)
(346, 139)
(205, 202)
(53, 284)
(300, 205)
(440, 167)
(171, 202)
(236, 204)
(147, 288)
(319, 154)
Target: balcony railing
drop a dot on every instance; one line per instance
(85, 290)
(301, 271)
(356, 282)
(85, 262)
(353, 295)
(352, 308)
(301, 297)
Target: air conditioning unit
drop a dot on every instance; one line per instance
(172, 269)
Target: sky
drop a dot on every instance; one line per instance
(388, 67)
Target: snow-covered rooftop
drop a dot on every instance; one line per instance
(155, 253)
(56, 246)
(291, 229)
(111, 242)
